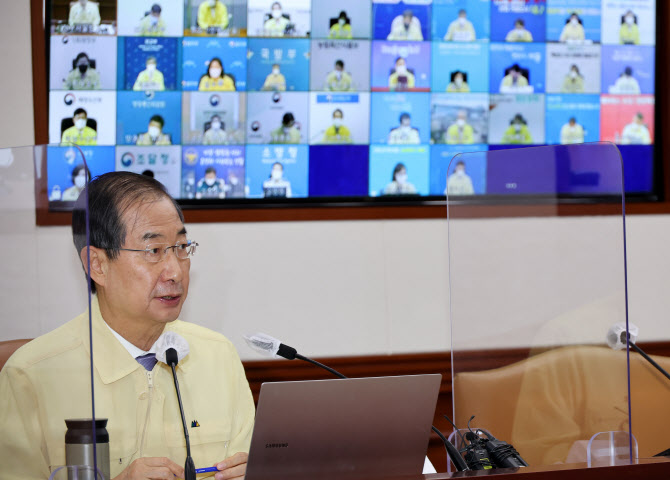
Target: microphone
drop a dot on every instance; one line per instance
(617, 339)
(171, 348)
(272, 347)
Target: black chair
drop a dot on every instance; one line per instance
(69, 122)
(452, 75)
(91, 62)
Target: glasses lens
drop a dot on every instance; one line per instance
(154, 252)
(185, 250)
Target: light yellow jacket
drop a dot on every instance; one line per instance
(48, 380)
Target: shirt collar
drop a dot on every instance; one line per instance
(132, 349)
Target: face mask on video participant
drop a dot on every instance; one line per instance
(140, 258)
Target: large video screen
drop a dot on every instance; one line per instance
(260, 101)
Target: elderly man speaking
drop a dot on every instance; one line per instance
(140, 257)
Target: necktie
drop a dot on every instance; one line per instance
(147, 361)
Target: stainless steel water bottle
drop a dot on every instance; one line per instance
(79, 443)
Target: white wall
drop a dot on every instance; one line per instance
(349, 288)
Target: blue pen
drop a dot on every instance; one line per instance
(206, 470)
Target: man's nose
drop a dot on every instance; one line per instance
(172, 266)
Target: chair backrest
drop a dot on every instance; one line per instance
(9, 347)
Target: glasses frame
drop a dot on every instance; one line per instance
(163, 248)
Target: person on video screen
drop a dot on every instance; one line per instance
(459, 182)
(212, 14)
(216, 133)
(458, 83)
(636, 132)
(337, 132)
(519, 32)
(514, 80)
(234, 187)
(216, 79)
(338, 80)
(150, 78)
(80, 133)
(287, 132)
(460, 132)
(405, 27)
(275, 81)
(83, 12)
(341, 29)
(573, 31)
(461, 29)
(573, 82)
(399, 184)
(572, 132)
(629, 32)
(276, 25)
(626, 84)
(79, 176)
(83, 76)
(210, 186)
(517, 133)
(401, 78)
(152, 25)
(277, 185)
(154, 134)
(405, 133)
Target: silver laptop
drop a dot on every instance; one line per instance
(359, 427)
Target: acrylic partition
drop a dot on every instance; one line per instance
(47, 381)
(529, 325)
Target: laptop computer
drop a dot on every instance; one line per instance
(343, 428)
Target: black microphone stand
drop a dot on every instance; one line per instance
(189, 467)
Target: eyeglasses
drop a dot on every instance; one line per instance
(155, 252)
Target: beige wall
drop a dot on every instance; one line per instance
(349, 288)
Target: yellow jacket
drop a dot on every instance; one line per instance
(48, 380)
(221, 84)
(629, 34)
(337, 135)
(147, 80)
(393, 80)
(337, 31)
(148, 28)
(460, 136)
(87, 136)
(206, 19)
(343, 84)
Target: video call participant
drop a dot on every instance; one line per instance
(84, 12)
(519, 33)
(404, 134)
(150, 78)
(636, 132)
(514, 80)
(572, 132)
(399, 184)
(80, 133)
(154, 134)
(338, 80)
(215, 79)
(461, 29)
(139, 265)
(83, 76)
(517, 133)
(460, 132)
(626, 84)
(459, 182)
(287, 131)
(573, 31)
(276, 185)
(275, 81)
(341, 29)
(216, 133)
(458, 84)
(401, 78)
(276, 25)
(573, 82)
(234, 188)
(629, 32)
(152, 25)
(212, 14)
(78, 177)
(405, 27)
(210, 186)
(337, 132)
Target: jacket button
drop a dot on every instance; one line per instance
(143, 396)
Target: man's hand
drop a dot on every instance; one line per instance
(152, 468)
(232, 467)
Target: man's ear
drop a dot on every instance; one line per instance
(99, 262)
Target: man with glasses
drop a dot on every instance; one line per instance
(140, 258)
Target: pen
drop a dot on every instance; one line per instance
(206, 470)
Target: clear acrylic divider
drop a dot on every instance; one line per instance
(532, 299)
(49, 379)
